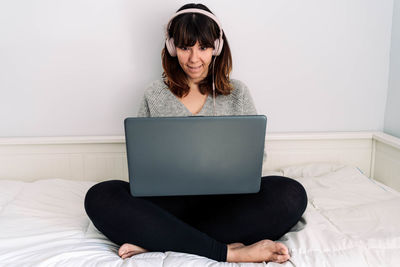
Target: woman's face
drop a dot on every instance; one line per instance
(194, 61)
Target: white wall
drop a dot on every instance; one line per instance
(80, 67)
(392, 115)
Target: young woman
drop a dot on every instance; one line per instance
(234, 228)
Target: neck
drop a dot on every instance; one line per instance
(194, 87)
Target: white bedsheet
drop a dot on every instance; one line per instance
(350, 221)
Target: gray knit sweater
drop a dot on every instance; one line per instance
(159, 101)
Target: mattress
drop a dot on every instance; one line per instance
(350, 220)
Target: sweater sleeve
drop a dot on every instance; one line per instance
(248, 107)
(143, 108)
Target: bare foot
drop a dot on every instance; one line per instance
(129, 250)
(264, 250)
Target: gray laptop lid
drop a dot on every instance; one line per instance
(195, 155)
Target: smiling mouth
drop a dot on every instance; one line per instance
(194, 68)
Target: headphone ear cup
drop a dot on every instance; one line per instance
(169, 43)
(218, 44)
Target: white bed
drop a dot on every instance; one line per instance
(351, 219)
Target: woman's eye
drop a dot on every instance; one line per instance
(203, 48)
(184, 48)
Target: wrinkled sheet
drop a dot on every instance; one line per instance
(350, 220)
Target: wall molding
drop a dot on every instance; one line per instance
(99, 158)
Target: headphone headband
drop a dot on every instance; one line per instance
(169, 42)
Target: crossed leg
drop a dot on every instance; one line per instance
(231, 218)
(264, 250)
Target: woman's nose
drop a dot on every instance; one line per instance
(193, 55)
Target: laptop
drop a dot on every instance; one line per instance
(173, 156)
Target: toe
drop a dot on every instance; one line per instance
(125, 248)
(281, 248)
(128, 255)
(279, 258)
(121, 251)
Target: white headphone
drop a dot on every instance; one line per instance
(169, 41)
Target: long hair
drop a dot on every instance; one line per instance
(187, 29)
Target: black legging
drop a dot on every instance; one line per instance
(201, 225)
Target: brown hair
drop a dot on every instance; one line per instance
(187, 29)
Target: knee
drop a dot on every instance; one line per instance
(296, 197)
(100, 195)
(292, 194)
